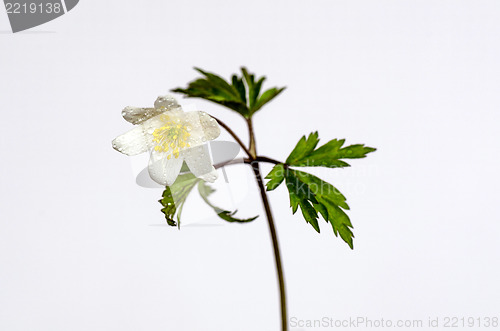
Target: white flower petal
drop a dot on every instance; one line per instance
(166, 102)
(162, 170)
(210, 126)
(205, 127)
(132, 143)
(136, 115)
(199, 162)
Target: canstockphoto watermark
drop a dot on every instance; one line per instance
(353, 322)
(470, 322)
(26, 14)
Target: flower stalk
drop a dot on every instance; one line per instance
(253, 161)
(252, 148)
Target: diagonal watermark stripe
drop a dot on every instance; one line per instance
(26, 14)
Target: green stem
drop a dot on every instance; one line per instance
(274, 237)
(234, 135)
(248, 161)
(252, 148)
(254, 162)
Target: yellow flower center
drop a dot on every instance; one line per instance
(171, 137)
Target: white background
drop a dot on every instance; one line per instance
(82, 247)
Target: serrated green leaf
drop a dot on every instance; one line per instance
(303, 148)
(245, 99)
(205, 191)
(301, 195)
(329, 155)
(250, 81)
(357, 151)
(174, 197)
(310, 214)
(256, 92)
(216, 89)
(240, 87)
(320, 188)
(315, 196)
(322, 210)
(299, 187)
(266, 97)
(221, 83)
(339, 220)
(169, 207)
(294, 201)
(253, 87)
(276, 176)
(214, 96)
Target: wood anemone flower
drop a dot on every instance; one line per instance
(172, 137)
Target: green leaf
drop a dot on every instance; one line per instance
(339, 220)
(321, 188)
(276, 176)
(329, 155)
(303, 148)
(266, 97)
(250, 81)
(316, 197)
(174, 197)
(230, 91)
(240, 87)
(242, 95)
(301, 195)
(206, 191)
(253, 88)
(216, 89)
